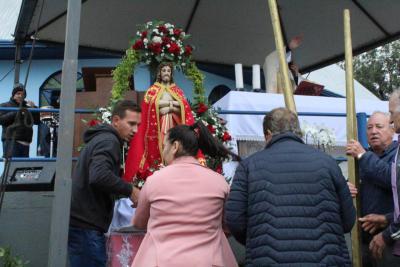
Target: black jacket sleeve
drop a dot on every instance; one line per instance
(103, 163)
(236, 205)
(347, 212)
(387, 233)
(375, 170)
(7, 117)
(36, 117)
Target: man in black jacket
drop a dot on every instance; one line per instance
(290, 204)
(375, 187)
(95, 183)
(23, 131)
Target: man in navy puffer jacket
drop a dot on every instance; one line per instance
(290, 204)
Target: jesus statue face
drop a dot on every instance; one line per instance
(165, 74)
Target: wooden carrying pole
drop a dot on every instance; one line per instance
(351, 134)
(287, 87)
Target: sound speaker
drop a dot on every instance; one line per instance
(31, 176)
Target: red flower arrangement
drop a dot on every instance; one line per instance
(157, 42)
(202, 108)
(93, 122)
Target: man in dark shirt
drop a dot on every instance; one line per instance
(375, 187)
(22, 132)
(96, 182)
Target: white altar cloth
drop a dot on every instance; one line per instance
(249, 127)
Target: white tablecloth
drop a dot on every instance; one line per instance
(249, 127)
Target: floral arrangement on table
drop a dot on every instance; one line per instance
(320, 136)
(156, 42)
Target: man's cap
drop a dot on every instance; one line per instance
(17, 87)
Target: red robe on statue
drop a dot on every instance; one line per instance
(145, 149)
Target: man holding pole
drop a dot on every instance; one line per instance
(376, 190)
(391, 234)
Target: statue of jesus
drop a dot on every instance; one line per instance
(164, 106)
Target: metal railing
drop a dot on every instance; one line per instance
(361, 122)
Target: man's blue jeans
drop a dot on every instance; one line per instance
(86, 248)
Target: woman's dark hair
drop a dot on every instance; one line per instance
(195, 137)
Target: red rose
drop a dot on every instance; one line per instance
(156, 48)
(141, 174)
(202, 108)
(162, 29)
(188, 50)
(144, 34)
(166, 40)
(138, 45)
(93, 122)
(219, 169)
(177, 32)
(174, 49)
(211, 128)
(226, 137)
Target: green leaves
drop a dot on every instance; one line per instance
(379, 69)
(8, 260)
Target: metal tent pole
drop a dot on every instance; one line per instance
(62, 187)
(17, 62)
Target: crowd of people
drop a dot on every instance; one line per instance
(289, 204)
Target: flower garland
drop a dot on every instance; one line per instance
(157, 42)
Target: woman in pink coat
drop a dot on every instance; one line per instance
(182, 206)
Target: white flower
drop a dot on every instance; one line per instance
(171, 31)
(318, 135)
(183, 64)
(168, 45)
(173, 38)
(145, 40)
(156, 31)
(157, 39)
(183, 34)
(169, 25)
(138, 33)
(149, 23)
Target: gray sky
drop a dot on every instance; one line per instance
(9, 10)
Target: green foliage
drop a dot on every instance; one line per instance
(135, 54)
(379, 69)
(197, 78)
(8, 260)
(122, 73)
(127, 65)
